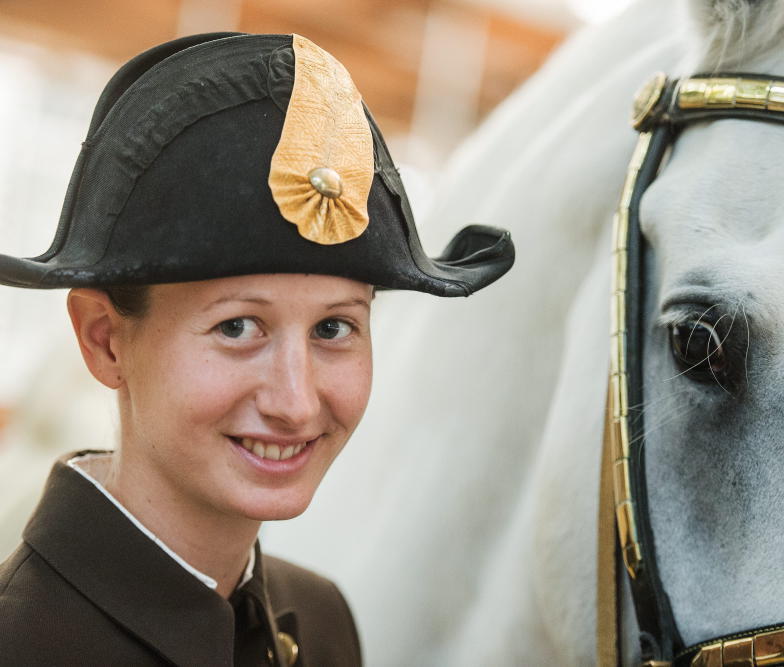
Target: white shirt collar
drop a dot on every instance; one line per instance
(204, 578)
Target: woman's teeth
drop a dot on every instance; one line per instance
(269, 451)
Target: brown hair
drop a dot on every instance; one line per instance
(129, 300)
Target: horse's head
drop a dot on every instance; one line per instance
(713, 360)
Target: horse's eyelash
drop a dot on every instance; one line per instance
(709, 314)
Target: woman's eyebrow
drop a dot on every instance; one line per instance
(266, 302)
(238, 297)
(351, 302)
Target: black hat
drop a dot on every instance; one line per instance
(196, 166)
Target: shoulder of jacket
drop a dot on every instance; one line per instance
(33, 590)
(11, 568)
(44, 620)
(289, 584)
(283, 571)
(325, 620)
(22, 576)
(27, 581)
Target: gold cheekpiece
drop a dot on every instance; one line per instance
(322, 169)
(619, 379)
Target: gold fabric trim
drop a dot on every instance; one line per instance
(325, 128)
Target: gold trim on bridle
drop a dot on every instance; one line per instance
(619, 379)
(763, 648)
(731, 93)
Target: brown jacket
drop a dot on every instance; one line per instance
(87, 588)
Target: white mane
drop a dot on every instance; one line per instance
(733, 31)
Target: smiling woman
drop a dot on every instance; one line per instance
(263, 377)
(232, 211)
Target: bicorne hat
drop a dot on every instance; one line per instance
(229, 154)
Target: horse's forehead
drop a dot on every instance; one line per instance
(717, 208)
(723, 176)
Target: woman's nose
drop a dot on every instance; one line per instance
(289, 392)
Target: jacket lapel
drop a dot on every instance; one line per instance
(89, 542)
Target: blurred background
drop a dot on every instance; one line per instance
(430, 70)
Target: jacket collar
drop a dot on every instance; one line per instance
(92, 545)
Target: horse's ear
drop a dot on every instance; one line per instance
(729, 32)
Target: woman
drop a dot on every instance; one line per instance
(232, 210)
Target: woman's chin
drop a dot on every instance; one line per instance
(277, 509)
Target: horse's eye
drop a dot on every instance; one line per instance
(698, 350)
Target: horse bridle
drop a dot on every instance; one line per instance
(661, 109)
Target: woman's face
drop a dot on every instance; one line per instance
(237, 394)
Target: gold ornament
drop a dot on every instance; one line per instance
(646, 98)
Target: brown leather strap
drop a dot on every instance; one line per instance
(607, 579)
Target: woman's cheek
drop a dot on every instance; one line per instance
(204, 387)
(352, 390)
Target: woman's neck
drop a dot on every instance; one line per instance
(212, 542)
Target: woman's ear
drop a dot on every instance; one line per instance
(97, 326)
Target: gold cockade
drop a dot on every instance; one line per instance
(322, 168)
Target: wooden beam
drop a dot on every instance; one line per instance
(380, 42)
(114, 30)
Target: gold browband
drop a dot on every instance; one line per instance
(731, 93)
(708, 93)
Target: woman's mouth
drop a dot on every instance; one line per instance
(272, 452)
(267, 450)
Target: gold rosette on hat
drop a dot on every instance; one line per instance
(322, 168)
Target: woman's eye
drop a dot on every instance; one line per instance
(238, 327)
(698, 350)
(331, 329)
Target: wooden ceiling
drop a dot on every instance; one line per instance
(379, 41)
